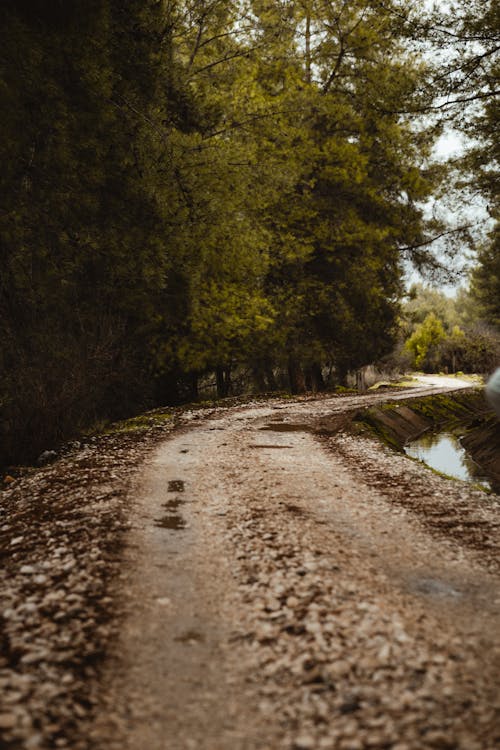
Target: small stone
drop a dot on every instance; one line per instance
(304, 742)
(314, 628)
(339, 668)
(16, 540)
(8, 721)
(35, 741)
(376, 740)
(28, 570)
(440, 740)
(46, 458)
(327, 743)
(265, 632)
(384, 653)
(35, 657)
(351, 744)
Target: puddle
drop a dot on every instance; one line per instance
(443, 452)
(434, 587)
(176, 485)
(190, 637)
(171, 521)
(286, 427)
(268, 445)
(295, 509)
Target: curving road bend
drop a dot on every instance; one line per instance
(284, 589)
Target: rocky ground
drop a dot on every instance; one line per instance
(248, 584)
(61, 535)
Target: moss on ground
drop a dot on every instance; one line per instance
(139, 423)
(462, 413)
(457, 411)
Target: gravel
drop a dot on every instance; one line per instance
(61, 532)
(348, 633)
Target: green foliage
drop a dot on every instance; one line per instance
(424, 342)
(485, 281)
(200, 186)
(423, 300)
(82, 259)
(471, 346)
(466, 37)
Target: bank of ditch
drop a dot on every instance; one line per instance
(463, 413)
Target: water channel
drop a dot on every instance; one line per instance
(443, 452)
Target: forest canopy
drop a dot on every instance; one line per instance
(193, 187)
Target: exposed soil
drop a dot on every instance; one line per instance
(248, 583)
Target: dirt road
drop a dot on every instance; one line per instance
(286, 589)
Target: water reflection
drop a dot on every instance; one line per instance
(443, 452)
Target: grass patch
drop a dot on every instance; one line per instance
(140, 423)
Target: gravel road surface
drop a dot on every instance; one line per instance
(249, 580)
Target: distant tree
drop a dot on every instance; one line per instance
(466, 36)
(436, 343)
(422, 300)
(485, 281)
(479, 349)
(452, 349)
(424, 342)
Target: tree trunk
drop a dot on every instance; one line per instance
(270, 377)
(314, 378)
(193, 387)
(259, 378)
(296, 376)
(308, 46)
(360, 381)
(341, 373)
(223, 380)
(228, 386)
(219, 379)
(318, 382)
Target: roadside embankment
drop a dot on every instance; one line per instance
(464, 413)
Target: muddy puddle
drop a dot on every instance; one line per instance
(176, 485)
(171, 522)
(172, 519)
(443, 452)
(268, 445)
(434, 587)
(286, 427)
